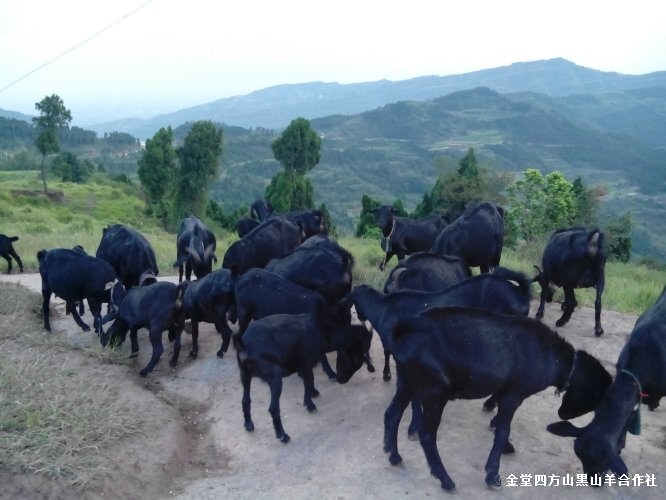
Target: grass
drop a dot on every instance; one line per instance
(78, 218)
(54, 419)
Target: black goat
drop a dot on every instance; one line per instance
(211, 299)
(282, 344)
(427, 272)
(573, 258)
(504, 291)
(404, 236)
(272, 239)
(7, 252)
(477, 236)
(74, 276)
(458, 353)
(319, 264)
(157, 307)
(195, 249)
(260, 293)
(129, 252)
(640, 375)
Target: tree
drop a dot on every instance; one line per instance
(286, 192)
(455, 189)
(199, 159)
(71, 169)
(298, 151)
(539, 205)
(53, 115)
(619, 238)
(157, 169)
(298, 148)
(587, 201)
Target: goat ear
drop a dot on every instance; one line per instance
(564, 429)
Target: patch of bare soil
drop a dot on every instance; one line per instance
(195, 446)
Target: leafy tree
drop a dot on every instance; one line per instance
(70, 168)
(455, 189)
(298, 151)
(157, 169)
(367, 219)
(587, 201)
(298, 148)
(215, 212)
(561, 207)
(23, 160)
(619, 238)
(199, 159)
(539, 205)
(286, 193)
(53, 116)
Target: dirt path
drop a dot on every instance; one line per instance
(198, 448)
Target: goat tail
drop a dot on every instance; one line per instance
(180, 291)
(41, 255)
(14, 238)
(241, 352)
(537, 278)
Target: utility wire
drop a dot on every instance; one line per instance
(78, 45)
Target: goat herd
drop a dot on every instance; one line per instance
(452, 335)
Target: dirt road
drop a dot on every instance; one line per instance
(197, 448)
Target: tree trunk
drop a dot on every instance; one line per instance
(44, 174)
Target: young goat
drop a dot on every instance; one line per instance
(157, 307)
(282, 344)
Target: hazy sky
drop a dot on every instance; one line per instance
(172, 54)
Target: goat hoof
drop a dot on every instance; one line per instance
(560, 322)
(85, 328)
(413, 436)
(311, 407)
(285, 438)
(387, 377)
(134, 355)
(193, 354)
(449, 486)
(220, 354)
(173, 363)
(494, 481)
(143, 373)
(599, 332)
(508, 449)
(315, 393)
(395, 458)
(489, 406)
(249, 426)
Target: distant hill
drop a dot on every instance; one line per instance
(275, 107)
(15, 115)
(386, 138)
(392, 152)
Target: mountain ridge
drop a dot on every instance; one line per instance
(274, 107)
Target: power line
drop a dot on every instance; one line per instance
(78, 45)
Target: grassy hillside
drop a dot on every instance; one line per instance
(77, 214)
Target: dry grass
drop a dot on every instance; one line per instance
(55, 419)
